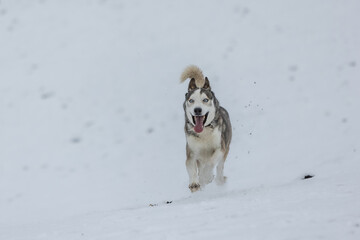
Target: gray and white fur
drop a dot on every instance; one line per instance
(207, 129)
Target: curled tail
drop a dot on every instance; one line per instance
(195, 72)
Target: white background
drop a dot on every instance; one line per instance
(91, 119)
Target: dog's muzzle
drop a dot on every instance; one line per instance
(199, 121)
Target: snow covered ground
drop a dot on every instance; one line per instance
(91, 119)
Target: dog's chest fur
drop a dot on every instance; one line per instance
(205, 143)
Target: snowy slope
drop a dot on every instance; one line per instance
(91, 119)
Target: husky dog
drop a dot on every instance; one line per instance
(207, 129)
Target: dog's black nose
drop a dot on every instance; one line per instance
(197, 111)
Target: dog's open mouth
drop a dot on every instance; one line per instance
(199, 122)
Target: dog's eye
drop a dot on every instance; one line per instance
(205, 100)
(191, 100)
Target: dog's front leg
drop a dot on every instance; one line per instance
(220, 178)
(192, 169)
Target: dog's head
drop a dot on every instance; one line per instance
(200, 105)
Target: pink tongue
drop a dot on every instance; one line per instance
(199, 124)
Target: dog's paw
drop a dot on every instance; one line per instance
(204, 180)
(221, 180)
(194, 187)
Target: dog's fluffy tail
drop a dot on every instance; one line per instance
(195, 72)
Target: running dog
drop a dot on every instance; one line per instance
(207, 129)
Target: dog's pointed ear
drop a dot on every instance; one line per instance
(192, 85)
(207, 84)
